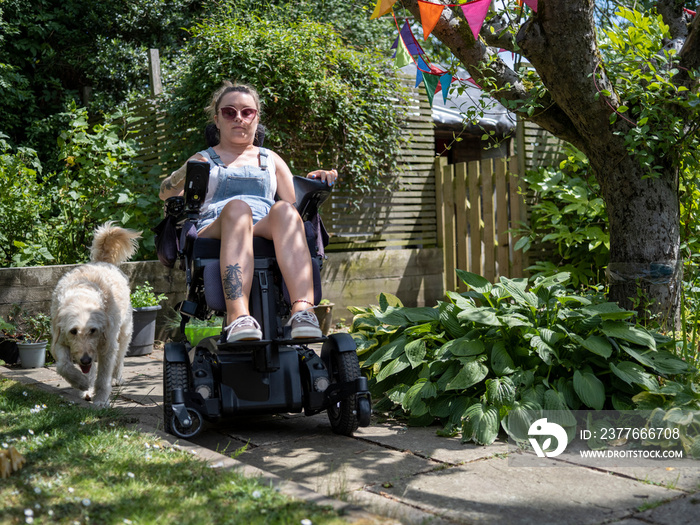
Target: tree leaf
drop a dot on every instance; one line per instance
(607, 311)
(389, 351)
(484, 315)
(659, 360)
(500, 391)
(589, 389)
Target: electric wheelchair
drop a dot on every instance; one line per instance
(216, 381)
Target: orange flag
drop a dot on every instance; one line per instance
(382, 8)
(429, 16)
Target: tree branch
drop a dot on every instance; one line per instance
(488, 70)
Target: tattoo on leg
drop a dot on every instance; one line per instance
(233, 284)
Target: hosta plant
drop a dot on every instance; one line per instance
(486, 359)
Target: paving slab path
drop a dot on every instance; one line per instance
(391, 473)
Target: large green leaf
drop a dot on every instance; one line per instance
(500, 391)
(589, 389)
(546, 352)
(394, 367)
(628, 332)
(415, 352)
(501, 362)
(464, 347)
(475, 282)
(631, 373)
(659, 360)
(518, 420)
(470, 374)
(481, 424)
(607, 311)
(520, 295)
(422, 314)
(598, 345)
(484, 315)
(556, 409)
(387, 352)
(448, 318)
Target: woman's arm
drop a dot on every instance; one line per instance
(174, 185)
(285, 182)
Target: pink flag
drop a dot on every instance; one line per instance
(475, 13)
(532, 4)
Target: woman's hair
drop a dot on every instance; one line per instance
(227, 87)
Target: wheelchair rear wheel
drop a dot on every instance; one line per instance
(343, 415)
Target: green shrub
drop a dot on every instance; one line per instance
(324, 103)
(478, 361)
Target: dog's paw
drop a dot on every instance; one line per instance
(87, 396)
(101, 403)
(117, 381)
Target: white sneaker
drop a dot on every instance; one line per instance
(245, 328)
(305, 325)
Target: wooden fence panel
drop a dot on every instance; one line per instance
(481, 203)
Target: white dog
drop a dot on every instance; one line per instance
(91, 316)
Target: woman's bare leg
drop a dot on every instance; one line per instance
(284, 226)
(235, 229)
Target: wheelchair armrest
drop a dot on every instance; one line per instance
(196, 185)
(310, 195)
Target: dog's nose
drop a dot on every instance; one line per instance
(85, 360)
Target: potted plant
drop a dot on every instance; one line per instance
(31, 334)
(324, 314)
(145, 304)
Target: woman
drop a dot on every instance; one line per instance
(240, 205)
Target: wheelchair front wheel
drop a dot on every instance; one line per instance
(343, 415)
(192, 430)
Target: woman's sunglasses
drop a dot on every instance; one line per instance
(231, 113)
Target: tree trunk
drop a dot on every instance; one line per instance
(645, 270)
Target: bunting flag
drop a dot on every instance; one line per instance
(382, 8)
(475, 13)
(532, 4)
(445, 81)
(403, 57)
(429, 16)
(420, 67)
(409, 40)
(430, 82)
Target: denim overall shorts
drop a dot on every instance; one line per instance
(251, 184)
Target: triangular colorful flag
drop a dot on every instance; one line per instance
(382, 8)
(430, 82)
(475, 13)
(411, 43)
(403, 57)
(420, 67)
(429, 16)
(445, 81)
(532, 4)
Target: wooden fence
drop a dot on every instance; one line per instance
(479, 204)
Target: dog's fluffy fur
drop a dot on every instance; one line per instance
(91, 316)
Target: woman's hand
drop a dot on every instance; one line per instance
(327, 176)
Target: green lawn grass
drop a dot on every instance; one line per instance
(87, 466)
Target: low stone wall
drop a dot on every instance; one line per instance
(348, 279)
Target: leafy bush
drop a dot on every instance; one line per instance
(324, 103)
(479, 361)
(50, 217)
(143, 295)
(568, 214)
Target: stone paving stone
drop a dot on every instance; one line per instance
(424, 442)
(335, 465)
(683, 511)
(492, 492)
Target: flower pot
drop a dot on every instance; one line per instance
(32, 355)
(144, 331)
(324, 314)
